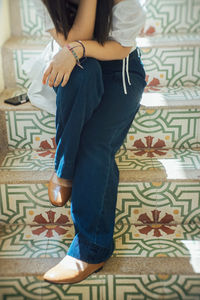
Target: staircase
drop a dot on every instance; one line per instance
(157, 230)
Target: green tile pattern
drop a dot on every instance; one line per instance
(169, 16)
(31, 23)
(176, 128)
(20, 203)
(168, 66)
(140, 287)
(172, 66)
(163, 16)
(29, 160)
(28, 129)
(53, 240)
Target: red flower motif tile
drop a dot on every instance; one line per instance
(149, 148)
(152, 85)
(149, 31)
(51, 225)
(50, 148)
(156, 225)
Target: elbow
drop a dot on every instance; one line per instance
(125, 52)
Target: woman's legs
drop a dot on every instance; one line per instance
(103, 122)
(95, 181)
(76, 103)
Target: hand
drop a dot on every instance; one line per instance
(60, 68)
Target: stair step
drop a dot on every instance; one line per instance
(163, 97)
(172, 117)
(169, 16)
(163, 16)
(168, 60)
(106, 287)
(141, 159)
(138, 241)
(165, 185)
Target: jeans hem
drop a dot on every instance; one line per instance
(89, 252)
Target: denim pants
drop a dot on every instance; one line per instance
(92, 120)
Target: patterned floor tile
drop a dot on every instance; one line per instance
(165, 128)
(146, 156)
(24, 203)
(179, 200)
(181, 287)
(95, 288)
(104, 287)
(172, 16)
(29, 160)
(40, 160)
(176, 159)
(163, 96)
(144, 240)
(162, 17)
(182, 241)
(30, 129)
(171, 128)
(165, 66)
(18, 241)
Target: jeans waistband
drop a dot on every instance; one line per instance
(117, 65)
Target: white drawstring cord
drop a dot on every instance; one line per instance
(127, 70)
(123, 76)
(125, 66)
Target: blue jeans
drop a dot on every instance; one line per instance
(92, 120)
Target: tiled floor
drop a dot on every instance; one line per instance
(104, 288)
(148, 240)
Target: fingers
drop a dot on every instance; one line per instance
(58, 79)
(65, 80)
(54, 77)
(47, 73)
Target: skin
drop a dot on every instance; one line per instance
(63, 62)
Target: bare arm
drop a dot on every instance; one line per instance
(111, 50)
(63, 62)
(83, 27)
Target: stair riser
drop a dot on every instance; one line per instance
(169, 16)
(105, 287)
(164, 66)
(175, 128)
(163, 16)
(22, 203)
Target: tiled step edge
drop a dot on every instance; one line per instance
(169, 40)
(154, 175)
(125, 266)
(163, 97)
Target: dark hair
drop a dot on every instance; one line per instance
(63, 13)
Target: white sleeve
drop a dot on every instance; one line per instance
(44, 14)
(128, 18)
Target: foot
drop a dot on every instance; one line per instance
(71, 270)
(59, 190)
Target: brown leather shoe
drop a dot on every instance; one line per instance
(71, 270)
(59, 190)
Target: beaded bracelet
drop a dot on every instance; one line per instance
(75, 56)
(82, 47)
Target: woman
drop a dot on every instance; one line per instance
(97, 99)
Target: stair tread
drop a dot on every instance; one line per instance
(163, 97)
(147, 164)
(115, 266)
(131, 240)
(169, 40)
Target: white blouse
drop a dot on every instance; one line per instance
(128, 18)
